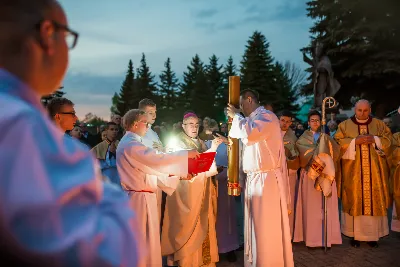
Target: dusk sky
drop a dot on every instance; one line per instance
(112, 32)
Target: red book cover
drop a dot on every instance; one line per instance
(202, 163)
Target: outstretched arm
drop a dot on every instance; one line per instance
(151, 162)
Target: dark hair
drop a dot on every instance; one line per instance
(252, 93)
(146, 103)
(109, 124)
(54, 106)
(285, 113)
(19, 16)
(314, 113)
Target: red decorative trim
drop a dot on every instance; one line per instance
(233, 185)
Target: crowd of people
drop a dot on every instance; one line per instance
(125, 196)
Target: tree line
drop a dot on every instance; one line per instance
(362, 40)
(204, 88)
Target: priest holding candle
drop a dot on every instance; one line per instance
(267, 196)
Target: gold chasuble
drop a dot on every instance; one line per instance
(319, 159)
(289, 141)
(395, 173)
(364, 178)
(188, 234)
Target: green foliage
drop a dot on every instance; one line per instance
(168, 89)
(214, 76)
(362, 41)
(229, 70)
(114, 102)
(286, 95)
(145, 84)
(58, 93)
(204, 88)
(128, 97)
(189, 80)
(96, 121)
(257, 68)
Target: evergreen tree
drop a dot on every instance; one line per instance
(363, 46)
(215, 82)
(114, 102)
(202, 97)
(286, 95)
(145, 81)
(257, 68)
(168, 86)
(46, 99)
(229, 70)
(189, 80)
(128, 97)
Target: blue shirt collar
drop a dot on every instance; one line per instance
(11, 85)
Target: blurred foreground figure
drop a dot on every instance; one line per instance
(55, 210)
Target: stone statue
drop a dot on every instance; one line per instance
(324, 83)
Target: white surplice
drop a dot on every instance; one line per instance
(141, 171)
(148, 140)
(267, 233)
(54, 209)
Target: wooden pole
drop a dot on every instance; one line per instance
(233, 149)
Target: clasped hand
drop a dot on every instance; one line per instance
(188, 177)
(365, 139)
(231, 110)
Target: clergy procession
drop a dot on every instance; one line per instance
(248, 191)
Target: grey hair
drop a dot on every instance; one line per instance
(113, 115)
(131, 117)
(363, 101)
(18, 18)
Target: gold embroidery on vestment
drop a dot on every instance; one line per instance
(366, 173)
(206, 250)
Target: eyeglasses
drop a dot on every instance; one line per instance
(73, 113)
(192, 125)
(71, 37)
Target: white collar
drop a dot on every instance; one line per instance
(361, 121)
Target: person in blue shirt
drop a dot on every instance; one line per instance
(105, 152)
(54, 208)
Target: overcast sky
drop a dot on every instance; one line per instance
(112, 32)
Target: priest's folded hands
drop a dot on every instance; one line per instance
(365, 139)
